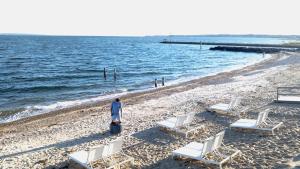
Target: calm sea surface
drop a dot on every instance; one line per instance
(39, 74)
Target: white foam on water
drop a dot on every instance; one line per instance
(42, 109)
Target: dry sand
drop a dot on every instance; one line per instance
(45, 141)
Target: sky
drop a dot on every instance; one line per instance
(150, 17)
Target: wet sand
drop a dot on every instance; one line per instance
(45, 141)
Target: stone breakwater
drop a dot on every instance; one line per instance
(250, 49)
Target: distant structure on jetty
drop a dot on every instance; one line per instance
(242, 47)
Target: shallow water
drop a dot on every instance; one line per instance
(39, 74)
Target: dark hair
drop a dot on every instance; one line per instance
(117, 100)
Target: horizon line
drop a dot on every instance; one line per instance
(154, 35)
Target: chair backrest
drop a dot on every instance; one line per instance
(265, 115)
(107, 150)
(116, 146)
(180, 120)
(113, 147)
(207, 146)
(95, 153)
(218, 139)
(259, 119)
(189, 118)
(234, 103)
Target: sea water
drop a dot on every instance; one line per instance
(40, 74)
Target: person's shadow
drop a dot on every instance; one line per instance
(63, 144)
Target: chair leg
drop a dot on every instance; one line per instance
(132, 162)
(117, 166)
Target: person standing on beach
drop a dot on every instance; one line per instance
(116, 111)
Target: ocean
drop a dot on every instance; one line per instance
(40, 74)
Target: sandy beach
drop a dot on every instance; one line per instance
(46, 140)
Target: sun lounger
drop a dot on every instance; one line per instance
(288, 95)
(262, 123)
(204, 151)
(180, 121)
(173, 123)
(87, 158)
(177, 123)
(229, 109)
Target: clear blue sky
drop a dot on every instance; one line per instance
(149, 17)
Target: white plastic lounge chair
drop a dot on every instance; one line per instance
(257, 124)
(86, 158)
(199, 151)
(173, 123)
(187, 119)
(288, 95)
(177, 123)
(195, 150)
(226, 108)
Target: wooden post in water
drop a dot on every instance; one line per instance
(200, 45)
(115, 74)
(104, 73)
(277, 92)
(163, 81)
(155, 83)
